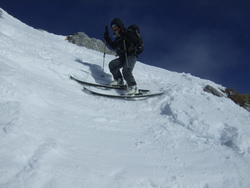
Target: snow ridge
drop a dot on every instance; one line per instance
(54, 135)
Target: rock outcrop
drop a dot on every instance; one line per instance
(81, 39)
(242, 100)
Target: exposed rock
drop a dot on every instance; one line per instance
(212, 90)
(81, 39)
(242, 100)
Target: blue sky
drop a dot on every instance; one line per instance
(206, 38)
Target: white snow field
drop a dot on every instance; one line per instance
(54, 135)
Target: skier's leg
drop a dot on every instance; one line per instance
(127, 70)
(114, 67)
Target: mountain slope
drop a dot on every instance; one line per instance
(54, 135)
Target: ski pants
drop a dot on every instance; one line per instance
(127, 68)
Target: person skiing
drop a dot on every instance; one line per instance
(127, 53)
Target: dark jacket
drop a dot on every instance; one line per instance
(118, 43)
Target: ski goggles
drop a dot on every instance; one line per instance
(115, 27)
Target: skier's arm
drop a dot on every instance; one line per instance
(108, 39)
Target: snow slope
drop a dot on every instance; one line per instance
(53, 135)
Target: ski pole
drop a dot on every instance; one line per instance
(126, 55)
(104, 53)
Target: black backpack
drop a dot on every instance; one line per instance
(139, 43)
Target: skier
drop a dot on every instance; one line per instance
(127, 52)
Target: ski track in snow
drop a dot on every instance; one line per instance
(53, 135)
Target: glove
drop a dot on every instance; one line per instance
(106, 33)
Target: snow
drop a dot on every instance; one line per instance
(54, 135)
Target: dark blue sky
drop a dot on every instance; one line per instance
(206, 38)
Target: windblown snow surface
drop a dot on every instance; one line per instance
(54, 135)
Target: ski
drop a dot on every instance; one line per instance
(139, 95)
(104, 86)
